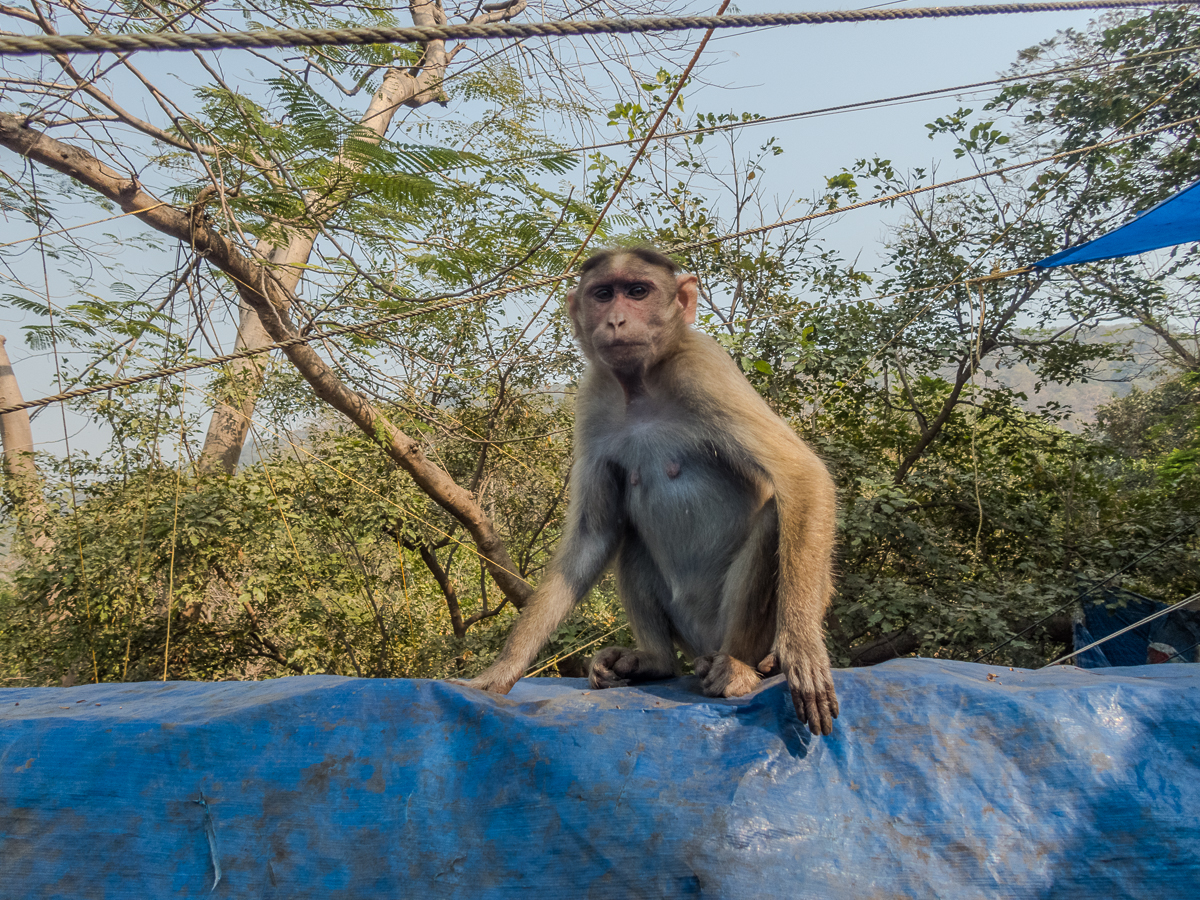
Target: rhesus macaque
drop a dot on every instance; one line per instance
(720, 519)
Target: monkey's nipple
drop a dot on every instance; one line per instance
(634, 477)
(672, 470)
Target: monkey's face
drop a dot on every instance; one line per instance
(628, 313)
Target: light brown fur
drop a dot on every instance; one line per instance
(720, 519)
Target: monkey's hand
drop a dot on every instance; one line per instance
(619, 666)
(725, 676)
(811, 682)
(498, 679)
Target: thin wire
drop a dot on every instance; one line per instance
(404, 584)
(612, 197)
(283, 515)
(83, 580)
(1029, 206)
(975, 426)
(174, 543)
(1180, 653)
(879, 200)
(409, 513)
(845, 107)
(662, 114)
(46, 234)
(1138, 624)
(558, 659)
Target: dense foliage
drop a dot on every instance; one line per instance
(972, 507)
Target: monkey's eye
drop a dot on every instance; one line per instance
(603, 294)
(638, 291)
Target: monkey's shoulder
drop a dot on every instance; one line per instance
(703, 376)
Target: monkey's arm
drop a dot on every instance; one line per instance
(806, 507)
(806, 500)
(589, 541)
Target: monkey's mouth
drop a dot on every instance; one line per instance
(624, 355)
(622, 345)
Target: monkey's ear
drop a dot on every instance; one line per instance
(687, 289)
(573, 310)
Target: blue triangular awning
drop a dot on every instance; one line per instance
(1175, 220)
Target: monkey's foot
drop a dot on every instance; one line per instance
(811, 684)
(724, 676)
(495, 679)
(769, 665)
(620, 666)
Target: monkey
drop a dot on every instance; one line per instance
(719, 518)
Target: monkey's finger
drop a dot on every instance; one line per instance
(598, 674)
(769, 664)
(702, 665)
(610, 681)
(801, 706)
(814, 714)
(807, 700)
(823, 710)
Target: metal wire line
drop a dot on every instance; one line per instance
(26, 45)
(439, 305)
(1137, 624)
(845, 107)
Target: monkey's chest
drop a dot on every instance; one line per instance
(689, 511)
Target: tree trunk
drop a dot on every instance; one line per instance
(230, 422)
(24, 480)
(889, 646)
(413, 87)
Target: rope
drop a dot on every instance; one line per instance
(22, 45)
(442, 305)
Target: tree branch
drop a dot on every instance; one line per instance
(449, 591)
(260, 289)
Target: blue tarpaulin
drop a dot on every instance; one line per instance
(1174, 221)
(941, 779)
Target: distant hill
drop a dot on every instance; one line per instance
(1110, 380)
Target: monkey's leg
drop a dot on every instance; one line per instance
(747, 611)
(641, 587)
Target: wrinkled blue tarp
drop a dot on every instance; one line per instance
(936, 783)
(1175, 220)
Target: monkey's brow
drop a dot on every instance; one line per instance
(614, 283)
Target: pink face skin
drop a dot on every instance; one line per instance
(629, 313)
